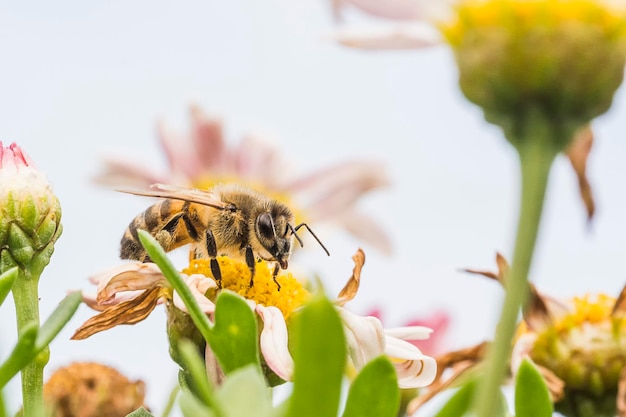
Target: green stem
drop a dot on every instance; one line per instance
(171, 401)
(26, 296)
(3, 410)
(536, 159)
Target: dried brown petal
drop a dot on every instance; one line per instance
(439, 386)
(503, 270)
(141, 279)
(554, 383)
(536, 313)
(129, 312)
(352, 286)
(620, 303)
(91, 390)
(578, 153)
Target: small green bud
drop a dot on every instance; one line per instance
(30, 213)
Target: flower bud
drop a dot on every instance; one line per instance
(562, 59)
(30, 213)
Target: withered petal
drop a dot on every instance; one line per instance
(130, 281)
(449, 359)
(620, 303)
(439, 386)
(578, 153)
(348, 292)
(129, 312)
(555, 384)
(536, 312)
(503, 270)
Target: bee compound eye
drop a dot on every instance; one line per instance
(265, 225)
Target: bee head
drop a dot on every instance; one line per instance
(274, 235)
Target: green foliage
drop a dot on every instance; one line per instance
(320, 358)
(6, 282)
(234, 338)
(532, 398)
(374, 392)
(35, 339)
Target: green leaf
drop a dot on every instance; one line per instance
(532, 398)
(6, 282)
(459, 404)
(140, 412)
(57, 320)
(320, 357)
(234, 338)
(191, 406)
(157, 254)
(374, 392)
(246, 394)
(21, 355)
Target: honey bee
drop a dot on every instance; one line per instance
(227, 220)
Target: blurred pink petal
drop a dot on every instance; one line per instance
(389, 9)
(124, 171)
(365, 229)
(273, 341)
(208, 137)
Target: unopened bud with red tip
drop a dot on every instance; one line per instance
(30, 213)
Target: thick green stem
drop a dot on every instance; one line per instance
(26, 297)
(536, 159)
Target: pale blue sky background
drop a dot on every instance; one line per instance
(82, 79)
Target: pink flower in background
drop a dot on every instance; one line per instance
(203, 158)
(401, 24)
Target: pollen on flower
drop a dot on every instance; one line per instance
(588, 309)
(236, 277)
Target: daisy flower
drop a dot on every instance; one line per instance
(128, 293)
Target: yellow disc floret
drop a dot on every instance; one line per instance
(236, 277)
(586, 347)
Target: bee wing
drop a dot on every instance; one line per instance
(193, 195)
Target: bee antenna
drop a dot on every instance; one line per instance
(295, 229)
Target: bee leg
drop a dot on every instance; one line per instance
(211, 248)
(274, 274)
(251, 264)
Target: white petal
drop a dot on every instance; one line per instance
(274, 341)
(522, 348)
(364, 336)
(398, 9)
(199, 285)
(414, 369)
(416, 373)
(410, 36)
(410, 332)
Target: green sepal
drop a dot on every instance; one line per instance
(6, 282)
(234, 337)
(21, 355)
(374, 392)
(20, 245)
(196, 371)
(245, 394)
(532, 398)
(319, 352)
(140, 412)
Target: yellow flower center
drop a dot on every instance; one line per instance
(585, 347)
(524, 16)
(236, 277)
